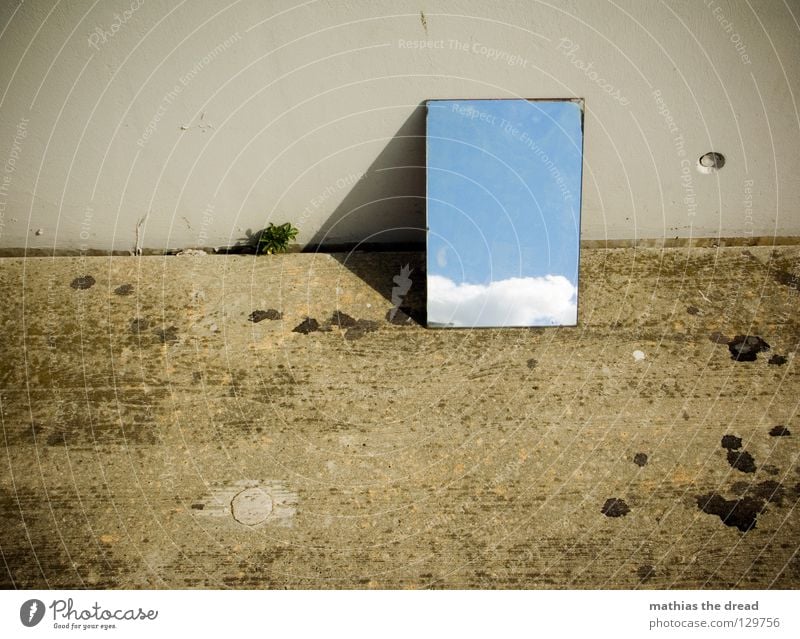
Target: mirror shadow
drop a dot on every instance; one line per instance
(385, 212)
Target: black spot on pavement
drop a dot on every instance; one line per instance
(342, 320)
(731, 442)
(738, 513)
(259, 316)
(166, 335)
(780, 431)
(82, 283)
(692, 310)
(770, 469)
(308, 325)
(745, 348)
(777, 360)
(361, 328)
(138, 325)
(125, 289)
(198, 506)
(740, 487)
(532, 363)
(742, 461)
(640, 459)
(367, 325)
(719, 338)
(768, 490)
(615, 507)
(645, 573)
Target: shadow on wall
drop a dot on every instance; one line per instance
(384, 215)
(378, 230)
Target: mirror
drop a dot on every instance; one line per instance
(503, 208)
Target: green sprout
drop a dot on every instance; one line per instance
(275, 239)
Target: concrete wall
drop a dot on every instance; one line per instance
(191, 123)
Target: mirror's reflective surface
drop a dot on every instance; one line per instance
(503, 200)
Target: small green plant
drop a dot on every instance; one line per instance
(275, 239)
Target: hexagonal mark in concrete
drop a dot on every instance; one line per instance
(249, 502)
(252, 506)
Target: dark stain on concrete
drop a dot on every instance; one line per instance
(125, 289)
(742, 461)
(788, 279)
(82, 283)
(738, 513)
(719, 338)
(198, 506)
(269, 314)
(645, 573)
(532, 363)
(166, 335)
(768, 490)
(745, 348)
(780, 431)
(342, 320)
(640, 459)
(777, 360)
(354, 333)
(308, 325)
(731, 442)
(740, 487)
(770, 469)
(138, 325)
(692, 310)
(361, 328)
(615, 507)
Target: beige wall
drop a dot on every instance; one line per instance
(200, 120)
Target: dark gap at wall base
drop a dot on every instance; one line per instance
(395, 247)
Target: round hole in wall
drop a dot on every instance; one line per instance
(710, 162)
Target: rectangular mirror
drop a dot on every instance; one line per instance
(503, 208)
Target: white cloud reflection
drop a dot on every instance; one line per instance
(517, 301)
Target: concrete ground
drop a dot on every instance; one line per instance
(155, 437)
